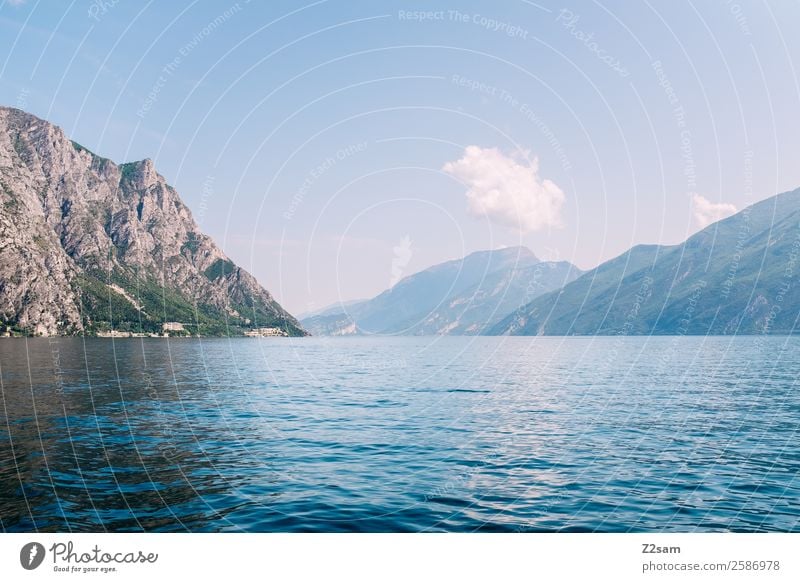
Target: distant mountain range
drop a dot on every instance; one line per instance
(332, 309)
(737, 276)
(459, 297)
(89, 246)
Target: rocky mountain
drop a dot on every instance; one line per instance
(87, 246)
(460, 297)
(737, 276)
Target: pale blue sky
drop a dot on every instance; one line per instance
(241, 104)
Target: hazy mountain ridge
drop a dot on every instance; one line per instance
(458, 297)
(87, 245)
(738, 275)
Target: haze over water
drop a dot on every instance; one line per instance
(400, 434)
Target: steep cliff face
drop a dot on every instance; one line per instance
(87, 245)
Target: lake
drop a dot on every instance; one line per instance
(400, 434)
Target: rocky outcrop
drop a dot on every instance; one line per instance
(87, 245)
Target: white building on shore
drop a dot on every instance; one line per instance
(266, 332)
(172, 326)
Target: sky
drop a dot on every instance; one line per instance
(332, 147)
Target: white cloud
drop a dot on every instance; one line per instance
(402, 256)
(705, 212)
(16, 2)
(506, 189)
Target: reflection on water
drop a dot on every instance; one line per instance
(400, 434)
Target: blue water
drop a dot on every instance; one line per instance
(400, 434)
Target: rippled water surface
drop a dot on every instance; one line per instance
(400, 434)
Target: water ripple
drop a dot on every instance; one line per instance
(468, 434)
